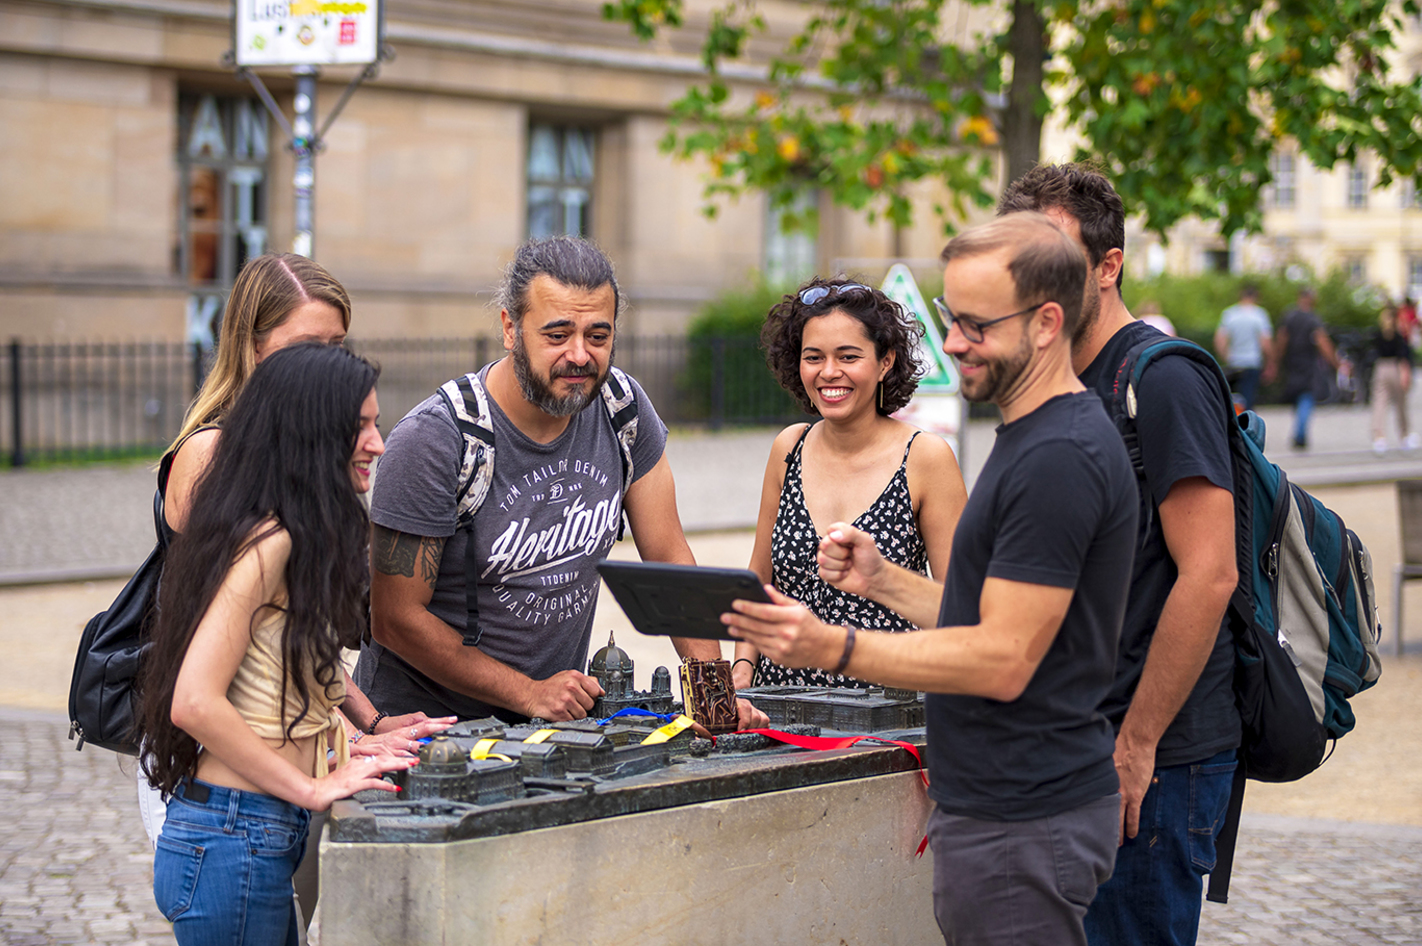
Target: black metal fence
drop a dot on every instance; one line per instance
(64, 400)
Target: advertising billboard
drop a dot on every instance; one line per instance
(306, 32)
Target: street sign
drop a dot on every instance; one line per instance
(306, 32)
(936, 406)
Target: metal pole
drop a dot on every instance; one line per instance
(303, 144)
(199, 376)
(718, 382)
(17, 455)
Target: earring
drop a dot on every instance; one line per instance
(881, 394)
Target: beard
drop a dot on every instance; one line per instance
(539, 392)
(1090, 314)
(1000, 376)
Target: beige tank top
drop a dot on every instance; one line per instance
(256, 694)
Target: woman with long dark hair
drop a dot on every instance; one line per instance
(260, 591)
(848, 353)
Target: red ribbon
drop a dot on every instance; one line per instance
(844, 742)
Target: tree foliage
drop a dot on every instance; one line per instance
(1181, 101)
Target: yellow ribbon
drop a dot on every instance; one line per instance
(542, 735)
(668, 731)
(481, 751)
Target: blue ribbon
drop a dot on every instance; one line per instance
(635, 711)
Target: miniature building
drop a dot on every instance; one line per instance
(841, 709)
(447, 772)
(612, 667)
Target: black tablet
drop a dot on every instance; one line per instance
(679, 600)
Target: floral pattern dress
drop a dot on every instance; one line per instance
(794, 544)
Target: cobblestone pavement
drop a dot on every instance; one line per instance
(75, 866)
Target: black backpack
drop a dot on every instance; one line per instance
(1303, 616)
(102, 701)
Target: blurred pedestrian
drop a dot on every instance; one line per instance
(1392, 377)
(1149, 313)
(1407, 321)
(1301, 345)
(1243, 343)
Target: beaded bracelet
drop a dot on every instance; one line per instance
(375, 721)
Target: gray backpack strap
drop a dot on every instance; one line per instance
(621, 403)
(469, 405)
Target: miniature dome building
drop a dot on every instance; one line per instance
(612, 668)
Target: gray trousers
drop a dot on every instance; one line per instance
(1021, 883)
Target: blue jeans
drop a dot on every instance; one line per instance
(222, 873)
(1153, 898)
(1246, 385)
(1303, 410)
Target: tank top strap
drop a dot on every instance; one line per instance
(799, 444)
(909, 446)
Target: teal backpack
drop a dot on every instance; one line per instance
(1303, 616)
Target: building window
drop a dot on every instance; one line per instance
(1411, 196)
(1217, 261)
(1414, 277)
(1356, 267)
(791, 247)
(560, 180)
(1285, 183)
(222, 162)
(1357, 188)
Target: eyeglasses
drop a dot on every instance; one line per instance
(944, 319)
(817, 294)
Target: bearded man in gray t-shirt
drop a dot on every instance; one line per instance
(551, 513)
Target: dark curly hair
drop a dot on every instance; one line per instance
(889, 326)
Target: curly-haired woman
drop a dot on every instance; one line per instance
(848, 353)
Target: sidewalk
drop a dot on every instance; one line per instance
(97, 521)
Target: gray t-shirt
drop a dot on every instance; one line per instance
(551, 514)
(1245, 325)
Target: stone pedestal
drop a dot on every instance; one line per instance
(826, 863)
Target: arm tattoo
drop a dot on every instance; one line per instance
(397, 553)
(393, 553)
(431, 550)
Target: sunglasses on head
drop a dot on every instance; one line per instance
(817, 294)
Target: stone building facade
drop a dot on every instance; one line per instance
(137, 172)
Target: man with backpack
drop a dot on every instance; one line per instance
(1172, 703)
(515, 481)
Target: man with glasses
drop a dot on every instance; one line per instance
(1173, 702)
(1023, 647)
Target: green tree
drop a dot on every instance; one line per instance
(1181, 101)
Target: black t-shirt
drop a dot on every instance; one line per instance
(1301, 353)
(1394, 347)
(1054, 505)
(1181, 430)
